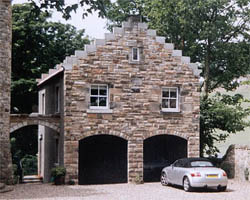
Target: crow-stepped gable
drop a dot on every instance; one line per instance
(127, 103)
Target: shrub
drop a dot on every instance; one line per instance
(58, 171)
(58, 174)
(29, 165)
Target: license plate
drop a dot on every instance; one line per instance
(212, 175)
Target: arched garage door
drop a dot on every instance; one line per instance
(160, 151)
(102, 160)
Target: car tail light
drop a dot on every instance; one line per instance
(224, 174)
(196, 174)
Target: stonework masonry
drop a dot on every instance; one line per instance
(5, 74)
(135, 90)
(237, 161)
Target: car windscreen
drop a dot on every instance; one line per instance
(201, 164)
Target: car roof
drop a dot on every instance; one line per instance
(194, 159)
(187, 161)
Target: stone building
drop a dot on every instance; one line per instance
(5, 70)
(128, 105)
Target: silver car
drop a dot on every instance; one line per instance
(194, 173)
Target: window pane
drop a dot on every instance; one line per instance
(135, 54)
(172, 103)
(173, 93)
(201, 164)
(94, 90)
(103, 101)
(94, 101)
(164, 103)
(165, 93)
(103, 90)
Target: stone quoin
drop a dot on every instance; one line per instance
(5, 79)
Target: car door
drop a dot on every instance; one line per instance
(174, 168)
(179, 173)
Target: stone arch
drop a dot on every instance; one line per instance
(165, 132)
(16, 126)
(112, 133)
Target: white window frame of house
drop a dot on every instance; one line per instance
(170, 99)
(98, 107)
(57, 99)
(137, 50)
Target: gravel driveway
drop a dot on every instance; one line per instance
(148, 191)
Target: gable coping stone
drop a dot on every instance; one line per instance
(90, 48)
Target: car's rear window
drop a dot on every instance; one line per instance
(201, 164)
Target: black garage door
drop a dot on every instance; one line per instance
(102, 160)
(160, 151)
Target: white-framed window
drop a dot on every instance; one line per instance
(170, 99)
(99, 97)
(135, 54)
(57, 99)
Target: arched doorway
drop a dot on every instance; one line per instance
(102, 160)
(24, 149)
(160, 151)
(38, 147)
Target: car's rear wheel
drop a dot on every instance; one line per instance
(222, 189)
(164, 179)
(186, 185)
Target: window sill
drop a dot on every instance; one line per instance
(136, 62)
(170, 111)
(102, 111)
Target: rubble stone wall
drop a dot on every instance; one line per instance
(135, 90)
(237, 161)
(5, 70)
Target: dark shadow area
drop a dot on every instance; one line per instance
(160, 151)
(201, 190)
(102, 160)
(24, 148)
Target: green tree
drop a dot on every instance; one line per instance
(223, 112)
(37, 45)
(215, 34)
(88, 6)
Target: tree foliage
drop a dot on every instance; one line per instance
(66, 9)
(37, 45)
(221, 112)
(215, 34)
